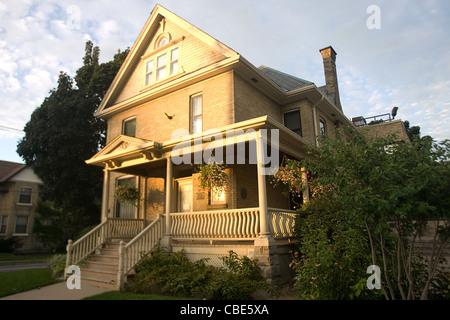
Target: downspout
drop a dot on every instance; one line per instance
(314, 121)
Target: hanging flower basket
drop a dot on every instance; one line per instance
(213, 177)
(127, 194)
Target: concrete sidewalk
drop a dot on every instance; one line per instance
(58, 291)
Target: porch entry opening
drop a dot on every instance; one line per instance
(126, 210)
(185, 195)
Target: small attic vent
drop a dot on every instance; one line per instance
(255, 80)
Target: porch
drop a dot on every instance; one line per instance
(173, 214)
(207, 234)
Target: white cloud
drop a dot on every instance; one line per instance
(405, 63)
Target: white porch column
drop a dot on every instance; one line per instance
(105, 195)
(262, 194)
(167, 240)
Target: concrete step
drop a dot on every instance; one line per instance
(110, 266)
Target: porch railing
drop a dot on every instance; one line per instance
(218, 225)
(234, 224)
(124, 228)
(281, 223)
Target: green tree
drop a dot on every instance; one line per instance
(62, 133)
(392, 189)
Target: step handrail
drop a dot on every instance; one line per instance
(83, 247)
(131, 253)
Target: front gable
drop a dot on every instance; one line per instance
(168, 52)
(124, 148)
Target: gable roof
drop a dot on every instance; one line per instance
(144, 38)
(123, 147)
(283, 80)
(9, 169)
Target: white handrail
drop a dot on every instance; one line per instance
(87, 244)
(131, 253)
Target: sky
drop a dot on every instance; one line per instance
(389, 53)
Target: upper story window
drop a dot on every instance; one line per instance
(129, 127)
(323, 127)
(162, 42)
(196, 113)
(25, 195)
(162, 65)
(293, 121)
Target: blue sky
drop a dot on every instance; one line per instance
(404, 63)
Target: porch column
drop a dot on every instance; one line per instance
(105, 195)
(262, 194)
(265, 247)
(167, 240)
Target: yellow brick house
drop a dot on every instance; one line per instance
(178, 93)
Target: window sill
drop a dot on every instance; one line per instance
(162, 82)
(24, 204)
(20, 235)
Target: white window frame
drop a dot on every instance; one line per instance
(19, 202)
(196, 116)
(152, 72)
(26, 226)
(124, 122)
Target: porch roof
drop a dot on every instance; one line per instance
(124, 151)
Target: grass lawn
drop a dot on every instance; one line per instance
(23, 280)
(9, 257)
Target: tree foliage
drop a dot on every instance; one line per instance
(62, 133)
(393, 191)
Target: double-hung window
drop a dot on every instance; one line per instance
(25, 195)
(196, 113)
(293, 121)
(21, 224)
(162, 66)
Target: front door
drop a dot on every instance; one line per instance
(126, 210)
(185, 195)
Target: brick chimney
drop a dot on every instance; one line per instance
(331, 81)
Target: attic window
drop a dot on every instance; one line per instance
(162, 42)
(162, 66)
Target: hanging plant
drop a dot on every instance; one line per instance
(127, 194)
(213, 177)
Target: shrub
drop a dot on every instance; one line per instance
(58, 264)
(8, 245)
(173, 273)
